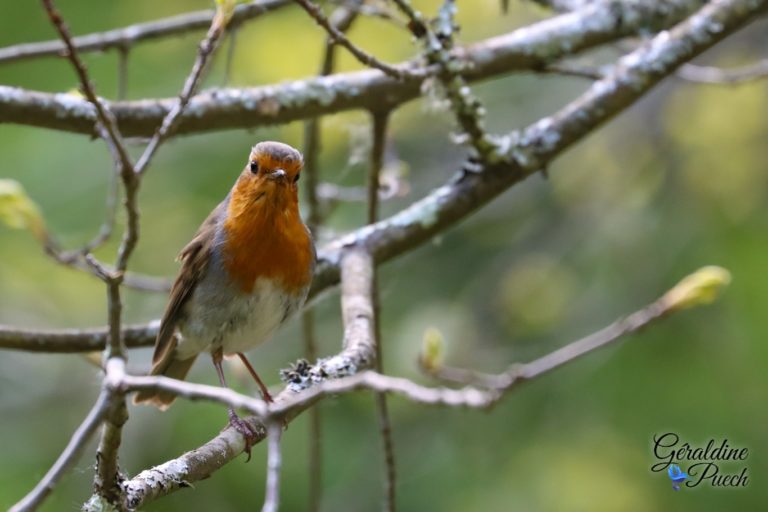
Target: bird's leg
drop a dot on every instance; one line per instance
(242, 426)
(264, 390)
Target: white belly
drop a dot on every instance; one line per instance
(219, 316)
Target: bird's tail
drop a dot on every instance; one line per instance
(169, 367)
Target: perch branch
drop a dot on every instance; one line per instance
(358, 353)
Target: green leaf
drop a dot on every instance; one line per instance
(702, 287)
(224, 11)
(18, 211)
(432, 350)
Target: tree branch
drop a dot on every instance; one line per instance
(528, 48)
(342, 19)
(64, 341)
(358, 353)
(274, 460)
(340, 38)
(379, 124)
(68, 457)
(720, 76)
(347, 372)
(204, 53)
(532, 149)
(127, 37)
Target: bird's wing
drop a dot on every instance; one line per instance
(194, 257)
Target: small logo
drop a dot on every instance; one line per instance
(677, 476)
(717, 462)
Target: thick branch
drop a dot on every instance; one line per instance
(532, 47)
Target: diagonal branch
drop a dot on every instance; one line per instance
(340, 38)
(68, 457)
(171, 119)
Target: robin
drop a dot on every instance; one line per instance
(244, 273)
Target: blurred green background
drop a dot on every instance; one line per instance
(677, 182)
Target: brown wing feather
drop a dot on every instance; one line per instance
(194, 257)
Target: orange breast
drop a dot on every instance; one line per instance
(267, 239)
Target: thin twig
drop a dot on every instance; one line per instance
(274, 460)
(438, 45)
(501, 383)
(116, 414)
(127, 37)
(339, 38)
(379, 123)
(720, 76)
(315, 453)
(113, 137)
(108, 225)
(460, 376)
(205, 50)
(68, 457)
(230, 58)
(122, 72)
(358, 314)
(342, 18)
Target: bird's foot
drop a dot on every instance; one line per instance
(245, 429)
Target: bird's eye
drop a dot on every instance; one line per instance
(254, 167)
(297, 178)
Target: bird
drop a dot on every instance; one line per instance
(245, 272)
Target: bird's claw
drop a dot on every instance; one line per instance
(244, 429)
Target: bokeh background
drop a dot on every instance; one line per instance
(677, 182)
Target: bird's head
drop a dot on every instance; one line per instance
(270, 176)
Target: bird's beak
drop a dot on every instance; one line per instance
(277, 175)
